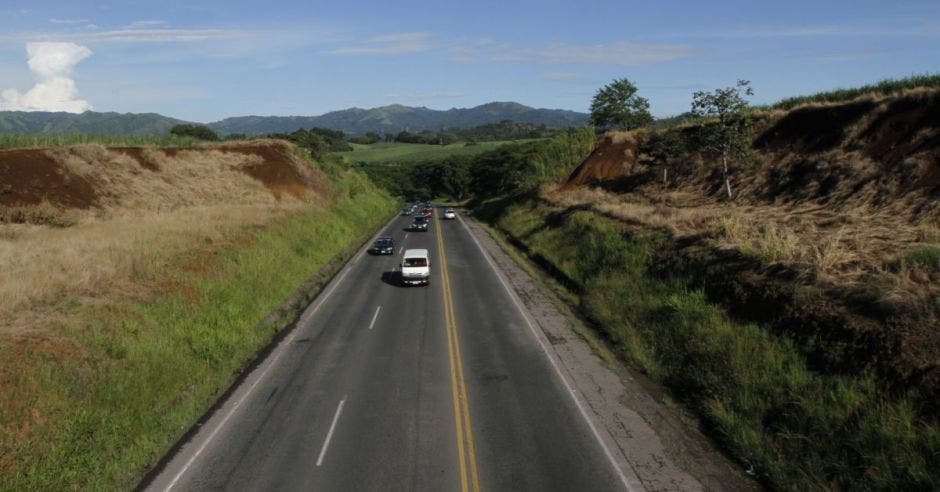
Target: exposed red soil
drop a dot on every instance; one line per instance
(30, 177)
(612, 158)
(870, 167)
(136, 153)
(276, 171)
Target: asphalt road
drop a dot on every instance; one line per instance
(383, 387)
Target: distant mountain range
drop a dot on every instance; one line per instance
(87, 122)
(354, 121)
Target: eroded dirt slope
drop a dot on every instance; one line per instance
(818, 240)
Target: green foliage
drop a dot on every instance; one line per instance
(196, 131)
(668, 148)
(318, 141)
(523, 167)
(505, 130)
(449, 177)
(798, 428)
(509, 167)
(368, 139)
(426, 137)
(884, 87)
(924, 258)
(617, 105)
(728, 136)
(394, 153)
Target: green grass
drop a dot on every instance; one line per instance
(800, 429)
(148, 369)
(924, 257)
(406, 152)
(12, 140)
(884, 87)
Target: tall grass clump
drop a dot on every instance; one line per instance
(923, 258)
(884, 87)
(799, 429)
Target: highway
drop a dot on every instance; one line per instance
(383, 387)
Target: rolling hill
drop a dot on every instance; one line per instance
(33, 122)
(354, 121)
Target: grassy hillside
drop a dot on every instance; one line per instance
(125, 322)
(884, 88)
(798, 427)
(405, 152)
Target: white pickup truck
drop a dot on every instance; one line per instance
(416, 267)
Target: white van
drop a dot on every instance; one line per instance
(416, 267)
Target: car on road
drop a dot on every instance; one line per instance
(407, 211)
(384, 245)
(415, 267)
(428, 212)
(420, 224)
(450, 214)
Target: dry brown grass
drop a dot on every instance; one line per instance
(43, 266)
(193, 177)
(147, 217)
(846, 246)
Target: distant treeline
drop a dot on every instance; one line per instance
(504, 130)
(507, 169)
(320, 140)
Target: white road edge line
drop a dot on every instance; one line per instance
(631, 484)
(304, 318)
(375, 316)
(329, 435)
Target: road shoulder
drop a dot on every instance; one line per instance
(656, 437)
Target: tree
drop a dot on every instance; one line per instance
(728, 136)
(198, 131)
(617, 105)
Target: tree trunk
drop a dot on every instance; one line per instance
(665, 173)
(724, 165)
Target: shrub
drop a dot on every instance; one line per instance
(197, 131)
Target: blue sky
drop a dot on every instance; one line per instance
(206, 60)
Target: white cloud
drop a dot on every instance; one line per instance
(388, 44)
(52, 64)
(159, 35)
(68, 22)
(757, 32)
(146, 23)
(565, 78)
(620, 53)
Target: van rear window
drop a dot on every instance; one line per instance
(416, 262)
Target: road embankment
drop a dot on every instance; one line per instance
(104, 366)
(796, 427)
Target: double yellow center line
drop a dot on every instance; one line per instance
(465, 449)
